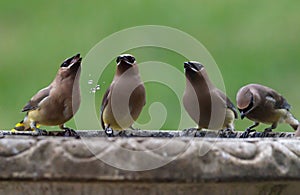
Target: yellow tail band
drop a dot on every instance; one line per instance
(21, 127)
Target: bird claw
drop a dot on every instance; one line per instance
(122, 133)
(109, 132)
(70, 133)
(266, 132)
(222, 133)
(227, 133)
(231, 133)
(247, 133)
(39, 132)
(190, 132)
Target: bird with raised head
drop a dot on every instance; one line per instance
(57, 103)
(208, 106)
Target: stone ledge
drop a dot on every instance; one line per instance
(109, 188)
(144, 159)
(192, 132)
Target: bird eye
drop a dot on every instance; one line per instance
(131, 59)
(64, 64)
(199, 66)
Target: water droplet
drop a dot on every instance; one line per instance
(93, 90)
(97, 87)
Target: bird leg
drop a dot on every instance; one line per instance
(249, 130)
(252, 126)
(68, 132)
(38, 131)
(109, 131)
(268, 130)
(228, 132)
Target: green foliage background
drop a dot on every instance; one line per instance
(251, 41)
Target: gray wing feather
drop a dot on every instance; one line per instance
(280, 101)
(229, 104)
(36, 99)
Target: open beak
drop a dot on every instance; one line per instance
(76, 59)
(191, 66)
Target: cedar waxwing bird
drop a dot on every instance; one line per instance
(125, 98)
(57, 103)
(262, 104)
(207, 105)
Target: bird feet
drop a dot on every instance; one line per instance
(122, 133)
(227, 133)
(247, 133)
(191, 132)
(39, 132)
(266, 132)
(70, 133)
(109, 132)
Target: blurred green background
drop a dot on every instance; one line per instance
(251, 41)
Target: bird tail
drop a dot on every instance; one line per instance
(295, 127)
(292, 121)
(23, 125)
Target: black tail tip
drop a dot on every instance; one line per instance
(295, 127)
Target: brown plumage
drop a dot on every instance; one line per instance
(57, 103)
(124, 99)
(262, 104)
(207, 105)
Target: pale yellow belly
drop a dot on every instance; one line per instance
(43, 118)
(117, 122)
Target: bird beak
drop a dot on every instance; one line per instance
(123, 59)
(76, 62)
(242, 115)
(75, 59)
(186, 65)
(191, 66)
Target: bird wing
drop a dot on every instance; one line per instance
(138, 100)
(103, 105)
(278, 100)
(229, 103)
(37, 99)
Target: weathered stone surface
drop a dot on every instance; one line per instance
(192, 132)
(149, 159)
(111, 188)
(177, 165)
